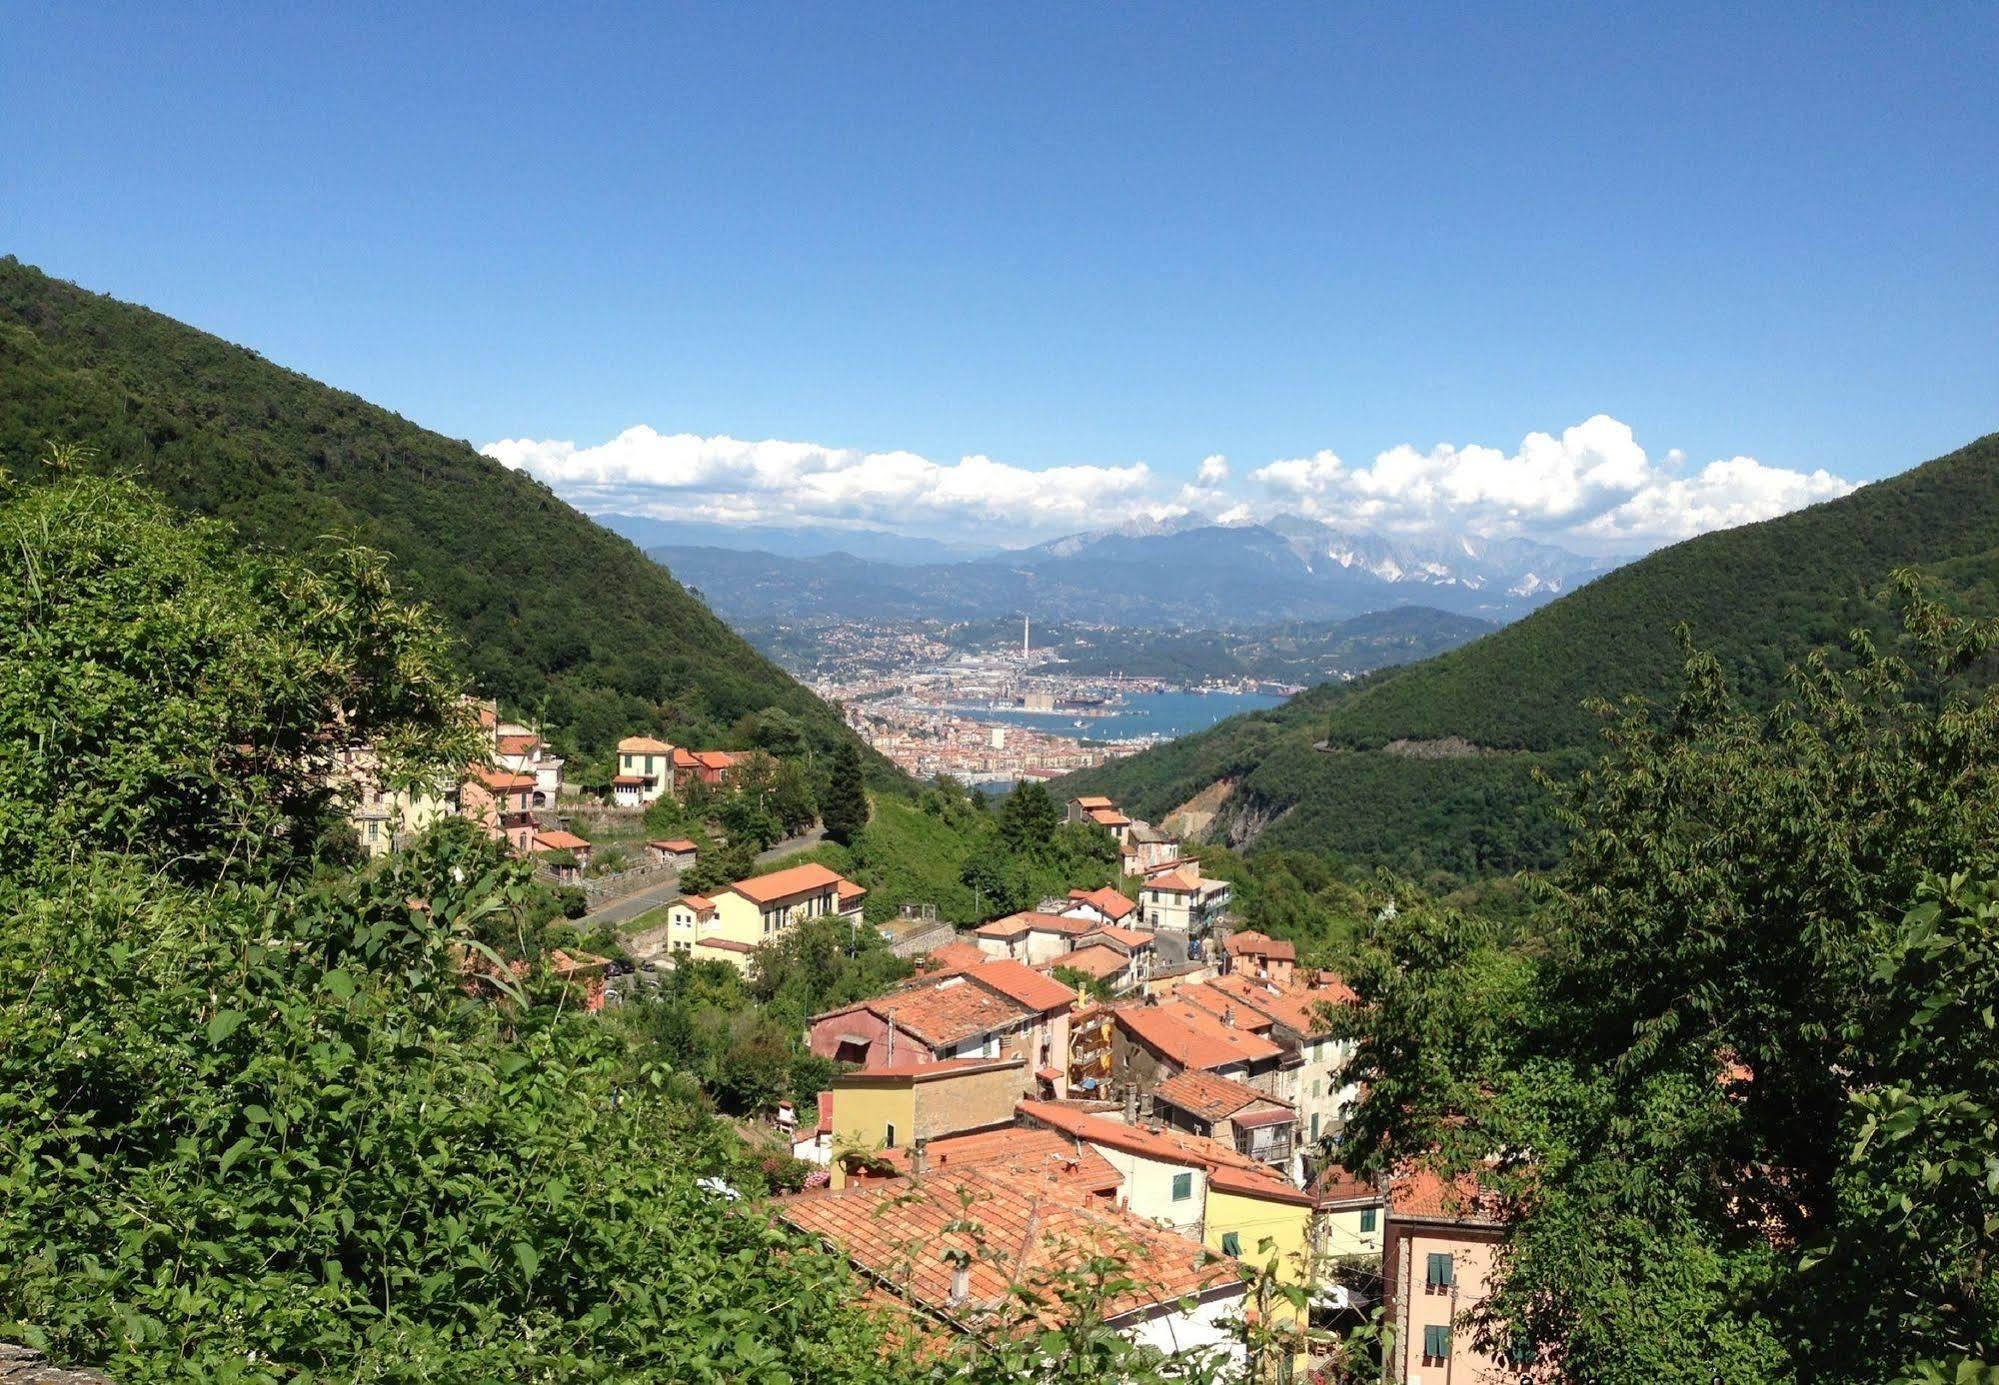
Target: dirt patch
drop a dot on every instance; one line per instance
(1194, 817)
(1446, 748)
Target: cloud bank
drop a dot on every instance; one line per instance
(1593, 487)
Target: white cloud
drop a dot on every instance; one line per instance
(1592, 487)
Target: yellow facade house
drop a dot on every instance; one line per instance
(754, 911)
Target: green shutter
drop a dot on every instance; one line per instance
(1231, 1243)
(1183, 1186)
(1436, 1342)
(1440, 1270)
(1367, 1219)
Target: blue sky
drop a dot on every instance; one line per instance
(1112, 241)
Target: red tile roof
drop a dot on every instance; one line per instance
(724, 944)
(1127, 937)
(1336, 1184)
(1022, 984)
(1210, 1097)
(1020, 1152)
(850, 892)
(1088, 801)
(1295, 1007)
(1164, 1145)
(631, 780)
(1114, 905)
(516, 745)
(699, 903)
(901, 1230)
(1252, 944)
(499, 781)
(956, 955)
(676, 844)
(1422, 1194)
(1013, 925)
(1108, 817)
(643, 745)
(1219, 1003)
(559, 841)
(1093, 961)
(1191, 1037)
(948, 1012)
(786, 884)
(1173, 883)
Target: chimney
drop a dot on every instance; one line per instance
(1131, 1105)
(919, 1156)
(961, 1282)
(1228, 1015)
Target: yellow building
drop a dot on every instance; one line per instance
(895, 1108)
(385, 819)
(645, 771)
(753, 911)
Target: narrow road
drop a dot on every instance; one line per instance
(629, 907)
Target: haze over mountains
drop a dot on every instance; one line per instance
(1213, 576)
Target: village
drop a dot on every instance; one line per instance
(1134, 1069)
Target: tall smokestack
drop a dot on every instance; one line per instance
(1024, 622)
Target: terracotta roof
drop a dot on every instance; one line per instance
(1253, 944)
(900, 1231)
(1013, 925)
(919, 1071)
(1022, 984)
(849, 891)
(1336, 1184)
(1164, 1145)
(1092, 961)
(1294, 1007)
(500, 781)
(1252, 1185)
(825, 1113)
(1256, 1120)
(643, 745)
(699, 903)
(1210, 1097)
(566, 964)
(786, 884)
(1022, 1153)
(676, 844)
(1114, 905)
(1127, 937)
(956, 955)
(1093, 801)
(515, 745)
(948, 1012)
(724, 944)
(1108, 817)
(1422, 1194)
(630, 780)
(559, 841)
(1173, 883)
(1219, 1003)
(1191, 1037)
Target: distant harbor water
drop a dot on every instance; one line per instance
(1163, 714)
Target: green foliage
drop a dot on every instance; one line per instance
(844, 805)
(1028, 818)
(554, 615)
(1730, 1050)
(162, 693)
(1759, 597)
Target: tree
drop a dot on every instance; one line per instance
(1028, 820)
(844, 807)
(791, 800)
(164, 692)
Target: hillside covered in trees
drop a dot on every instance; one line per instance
(560, 619)
(1430, 767)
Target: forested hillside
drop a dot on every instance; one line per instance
(558, 618)
(1429, 767)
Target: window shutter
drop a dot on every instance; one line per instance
(1183, 1186)
(1440, 1270)
(1231, 1243)
(1436, 1342)
(1367, 1219)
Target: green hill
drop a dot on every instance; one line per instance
(559, 618)
(1428, 767)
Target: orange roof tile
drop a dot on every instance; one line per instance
(956, 955)
(1294, 1007)
(901, 1231)
(1253, 944)
(500, 781)
(1022, 984)
(1108, 817)
(786, 884)
(1164, 1145)
(849, 891)
(1092, 961)
(1173, 883)
(675, 844)
(1088, 801)
(1423, 1194)
(1210, 1097)
(1191, 1037)
(1126, 937)
(1019, 1151)
(699, 903)
(643, 745)
(559, 841)
(1220, 1004)
(516, 745)
(1114, 905)
(948, 1012)
(1013, 925)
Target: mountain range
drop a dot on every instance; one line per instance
(1430, 767)
(560, 619)
(1209, 576)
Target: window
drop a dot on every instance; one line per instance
(1436, 1345)
(888, 1142)
(1183, 1186)
(1315, 1125)
(1231, 1243)
(1368, 1218)
(1440, 1276)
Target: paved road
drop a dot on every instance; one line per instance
(652, 896)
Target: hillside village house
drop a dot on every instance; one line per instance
(750, 912)
(1296, 1019)
(893, 1108)
(520, 750)
(1100, 811)
(1031, 937)
(565, 854)
(645, 772)
(1155, 1041)
(678, 852)
(1182, 901)
(1105, 906)
(1138, 947)
(1105, 967)
(999, 1008)
(384, 819)
(1260, 956)
(704, 766)
(1146, 848)
(1252, 1123)
(1350, 1215)
(1437, 1256)
(688, 919)
(986, 1237)
(501, 803)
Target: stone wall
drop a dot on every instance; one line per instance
(22, 1366)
